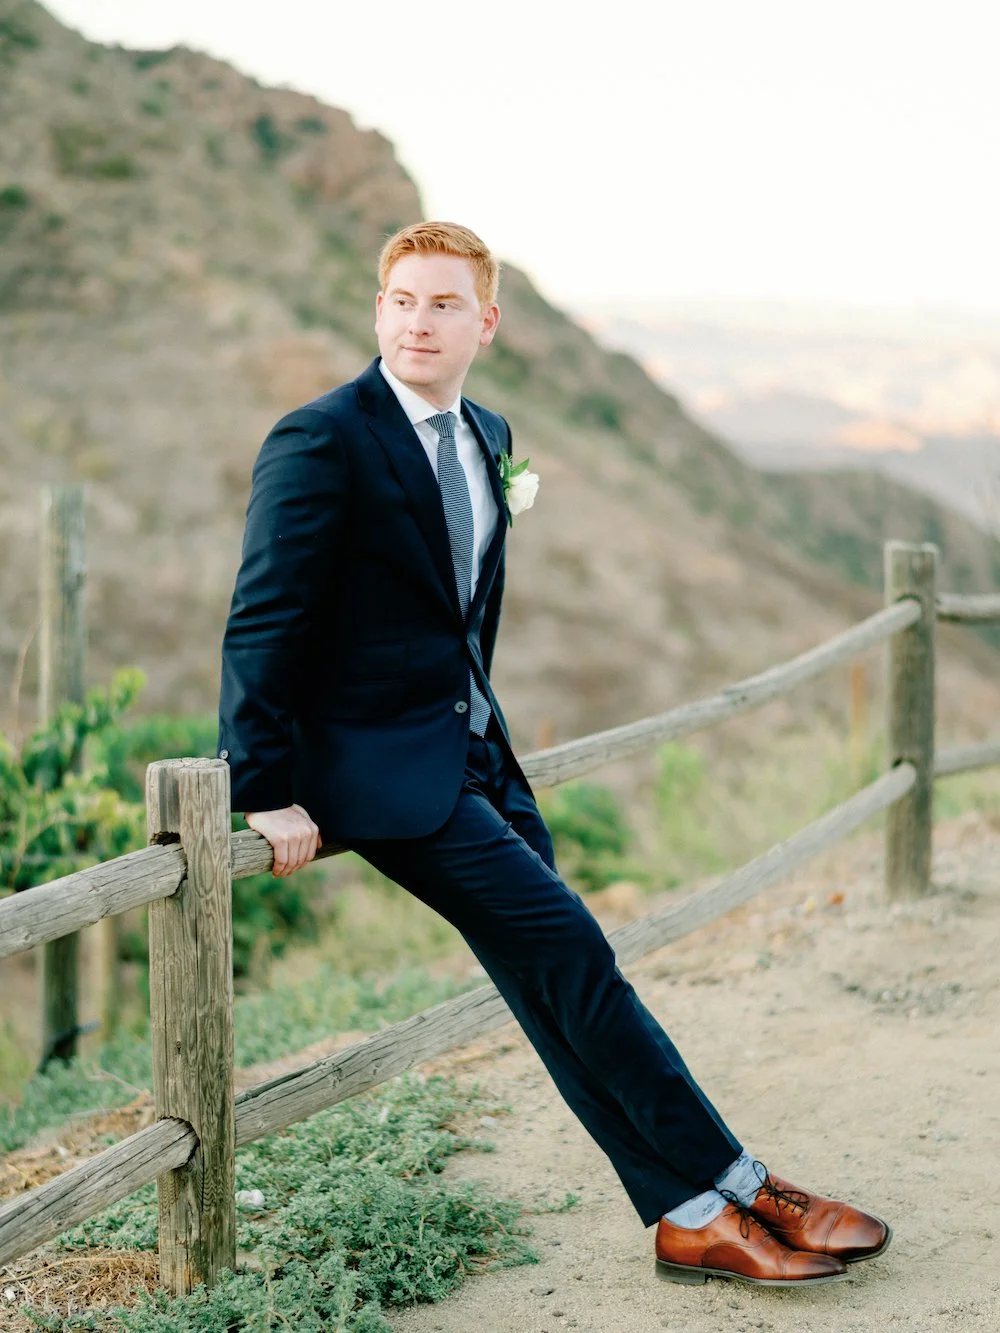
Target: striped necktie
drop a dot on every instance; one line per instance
(461, 535)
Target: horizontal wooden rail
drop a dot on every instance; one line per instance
(968, 607)
(545, 768)
(36, 1216)
(34, 916)
(963, 758)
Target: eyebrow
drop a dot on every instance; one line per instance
(438, 296)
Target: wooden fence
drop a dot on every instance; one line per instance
(186, 873)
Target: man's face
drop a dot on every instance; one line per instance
(430, 324)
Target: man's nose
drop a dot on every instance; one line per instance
(420, 320)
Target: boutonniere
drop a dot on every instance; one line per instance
(519, 485)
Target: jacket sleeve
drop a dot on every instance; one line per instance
(491, 612)
(295, 528)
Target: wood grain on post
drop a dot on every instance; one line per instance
(191, 1018)
(62, 652)
(911, 573)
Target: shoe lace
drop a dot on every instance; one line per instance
(747, 1219)
(789, 1198)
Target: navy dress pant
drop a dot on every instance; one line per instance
(490, 871)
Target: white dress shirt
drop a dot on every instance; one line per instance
(470, 455)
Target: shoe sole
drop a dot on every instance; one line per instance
(696, 1276)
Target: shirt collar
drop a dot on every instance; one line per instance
(415, 407)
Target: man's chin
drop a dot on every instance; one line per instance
(418, 363)
(416, 369)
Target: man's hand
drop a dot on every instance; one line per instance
(291, 833)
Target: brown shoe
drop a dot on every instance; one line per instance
(813, 1224)
(736, 1245)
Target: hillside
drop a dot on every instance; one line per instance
(185, 254)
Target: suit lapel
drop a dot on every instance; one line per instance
(392, 428)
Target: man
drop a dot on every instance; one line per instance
(356, 705)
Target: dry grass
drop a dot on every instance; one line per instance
(81, 1137)
(72, 1284)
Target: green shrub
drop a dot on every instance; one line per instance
(149, 59)
(271, 141)
(74, 145)
(120, 167)
(14, 196)
(16, 37)
(507, 366)
(54, 820)
(598, 408)
(688, 836)
(590, 833)
(80, 150)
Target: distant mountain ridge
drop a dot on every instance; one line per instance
(185, 254)
(916, 399)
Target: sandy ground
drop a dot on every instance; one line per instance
(851, 1044)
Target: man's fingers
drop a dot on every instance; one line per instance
(280, 846)
(293, 847)
(297, 852)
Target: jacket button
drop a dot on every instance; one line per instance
(461, 706)
(223, 754)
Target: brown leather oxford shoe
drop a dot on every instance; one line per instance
(736, 1245)
(813, 1224)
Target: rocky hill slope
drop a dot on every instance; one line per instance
(185, 254)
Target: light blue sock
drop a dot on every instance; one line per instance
(744, 1178)
(697, 1212)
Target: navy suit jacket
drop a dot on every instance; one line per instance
(345, 658)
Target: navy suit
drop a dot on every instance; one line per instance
(345, 688)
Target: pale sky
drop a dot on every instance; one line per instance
(845, 151)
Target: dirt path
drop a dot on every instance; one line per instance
(855, 1048)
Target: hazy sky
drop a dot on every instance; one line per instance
(785, 149)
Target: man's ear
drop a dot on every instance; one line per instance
(491, 318)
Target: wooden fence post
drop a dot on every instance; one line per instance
(62, 652)
(191, 1017)
(911, 571)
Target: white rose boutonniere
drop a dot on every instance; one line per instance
(519, 485)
